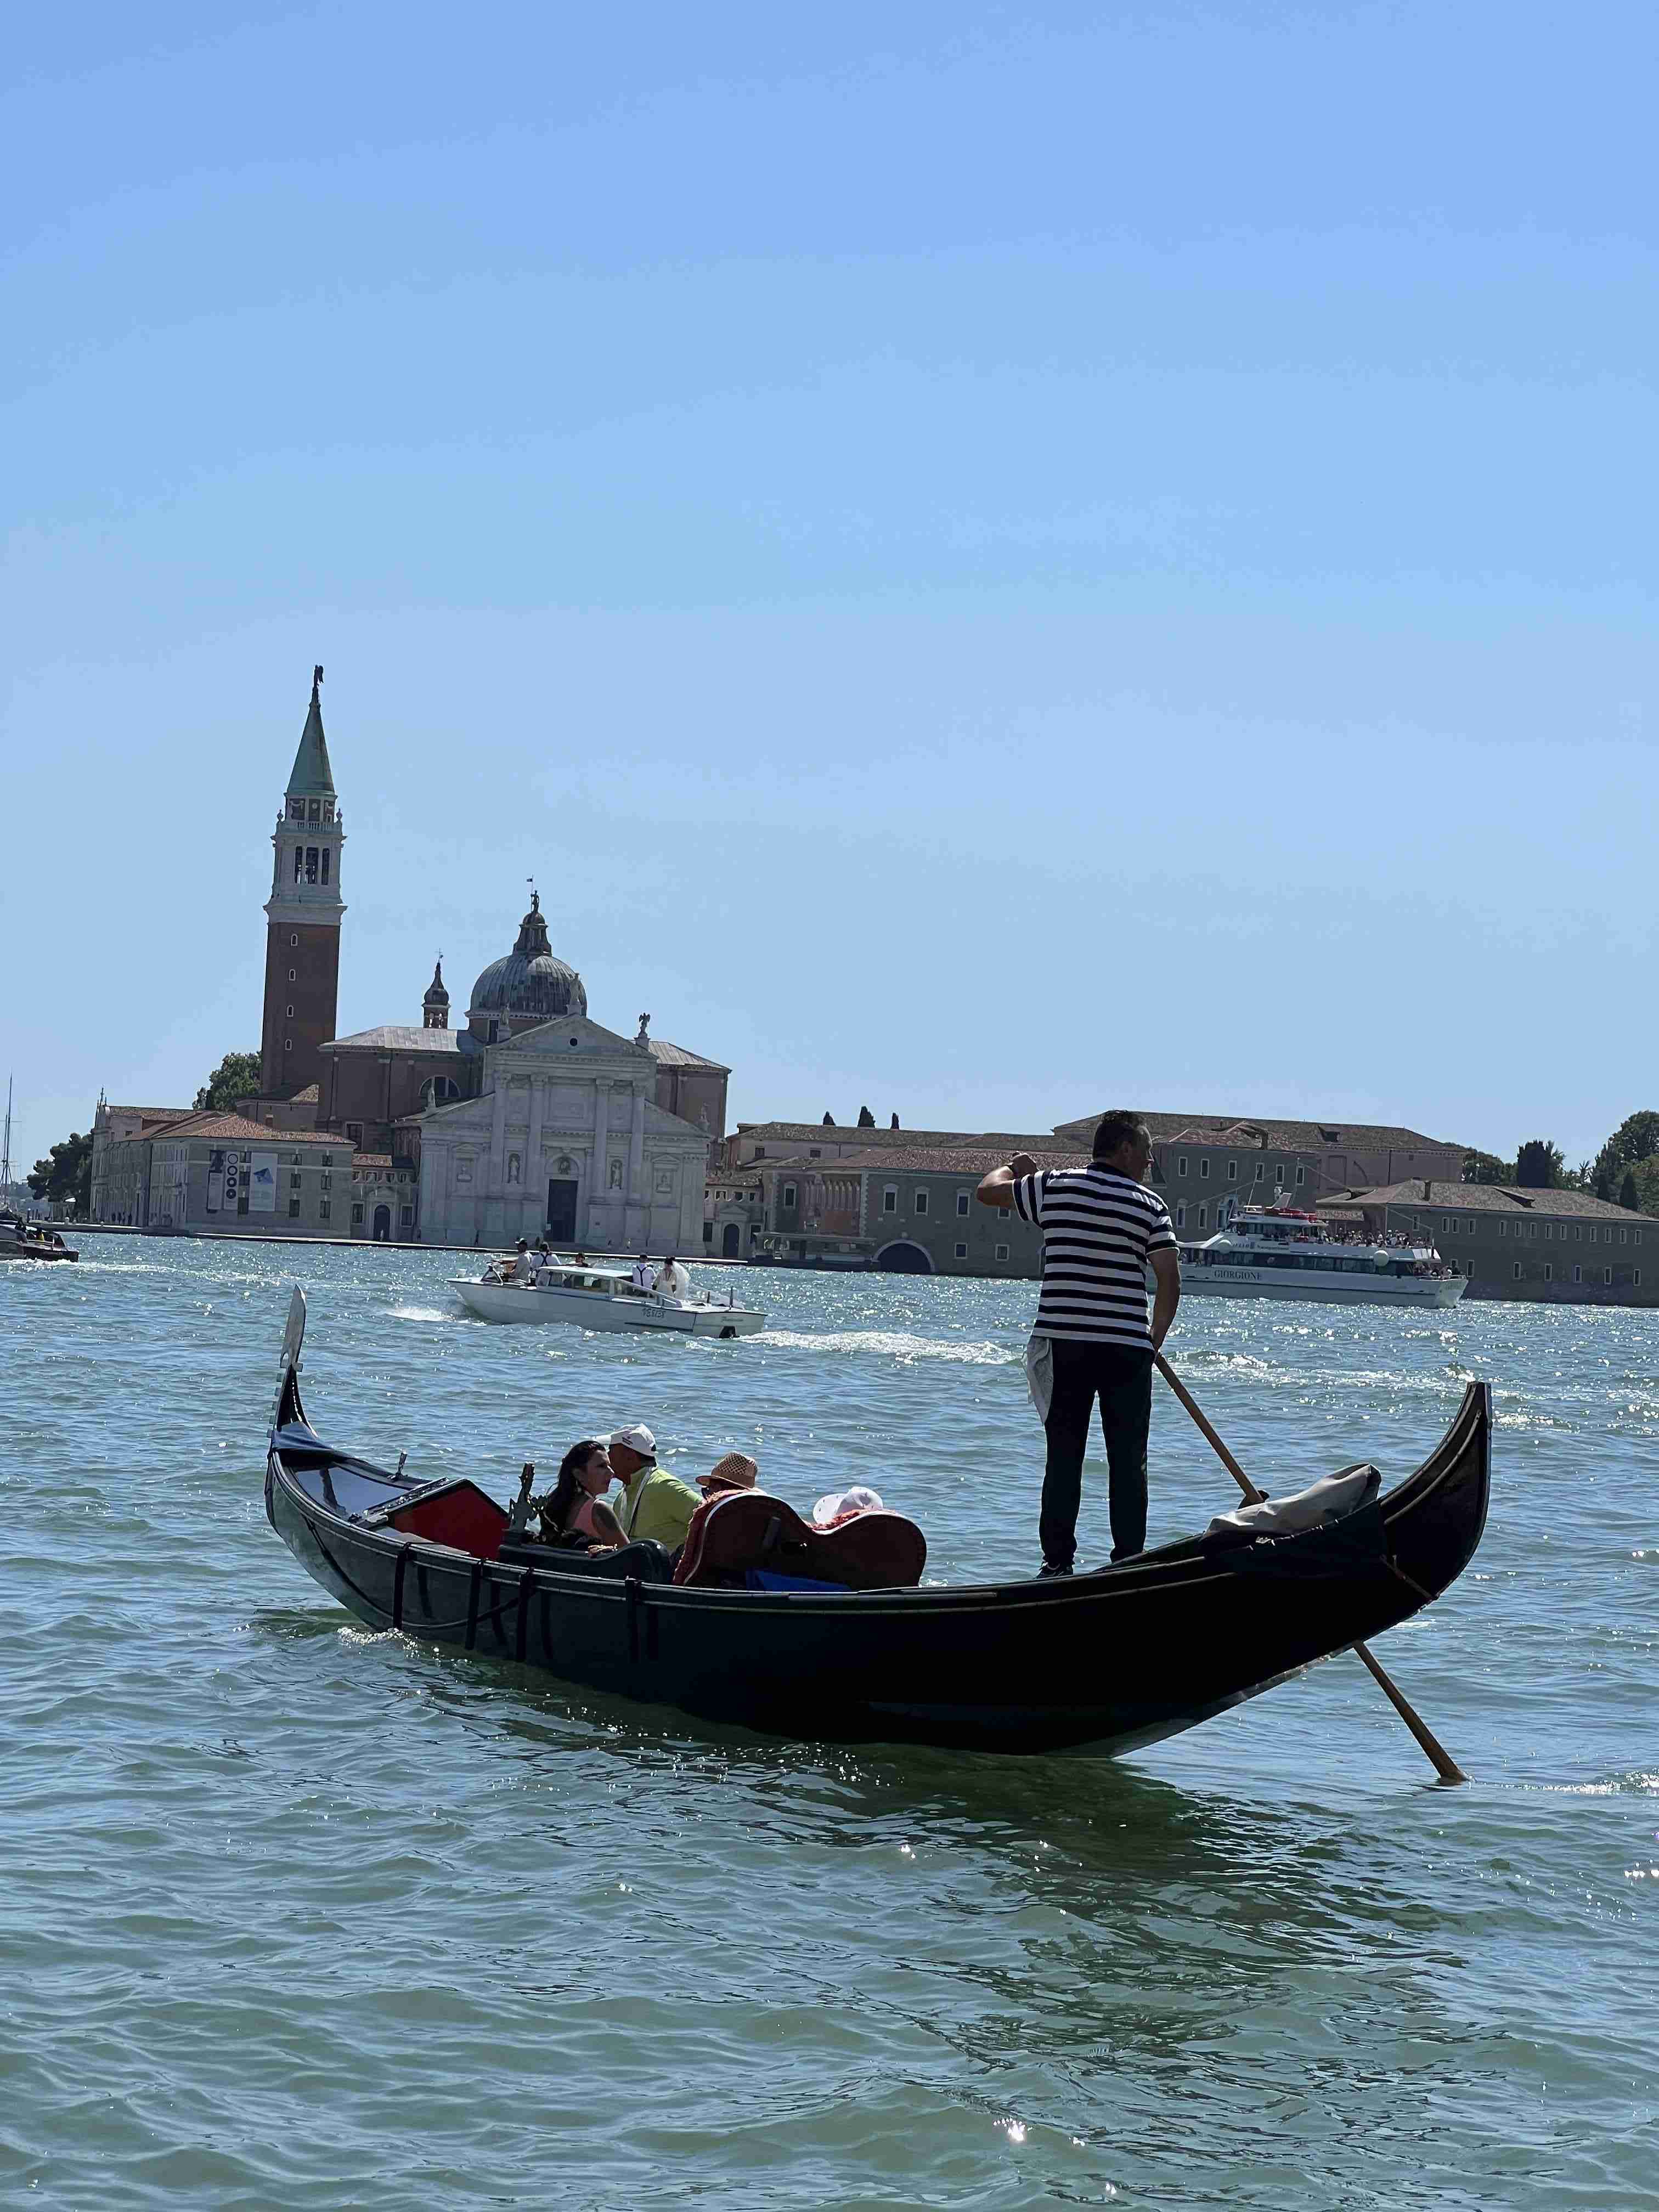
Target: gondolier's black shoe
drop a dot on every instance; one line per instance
(1053, 1567)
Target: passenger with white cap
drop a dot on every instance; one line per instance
(653, 1503)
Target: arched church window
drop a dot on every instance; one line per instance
(311, 864)
(438, 1091)
(292, 976)
(299, 862)
(324, 864)
(288, 1044)
(290, 1013)
(295, 938)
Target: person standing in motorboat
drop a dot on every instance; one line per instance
(1102, 1229)
(640, 1278)
(523, 1267)
(672, 1280)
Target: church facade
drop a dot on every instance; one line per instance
(565, 1138)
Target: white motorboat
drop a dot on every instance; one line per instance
(602, 1297)
(1272, 1252)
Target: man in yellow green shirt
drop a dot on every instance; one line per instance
(654, 1502)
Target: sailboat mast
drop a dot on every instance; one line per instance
(5, 1147)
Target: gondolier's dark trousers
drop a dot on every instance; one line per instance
(1122, 1378)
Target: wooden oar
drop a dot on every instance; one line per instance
(1444, 1765)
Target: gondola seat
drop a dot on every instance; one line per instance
(739, 1531)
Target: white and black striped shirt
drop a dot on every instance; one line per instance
(1098, 1229)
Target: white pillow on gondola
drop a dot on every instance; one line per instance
(1332, 1497)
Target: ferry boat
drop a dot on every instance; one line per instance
(604, 1298)
(1274, 1252)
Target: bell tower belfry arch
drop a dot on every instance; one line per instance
(303, 914)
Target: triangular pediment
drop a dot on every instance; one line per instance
(569, 1034)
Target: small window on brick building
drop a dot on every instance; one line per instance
(290, 1013)
(295, 939)
(356, 1217)
(1002, 1251)
(323, 1209)
(293, 975)
(293, 1209)
(962, 1205)
(961, 1251)
(921, 1201)
(1517, 1271)
(890, 1200)
(1607, 1274)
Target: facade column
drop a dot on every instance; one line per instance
(636, 1190)
(598, 1180)
(497, 1182)
(534, 1179)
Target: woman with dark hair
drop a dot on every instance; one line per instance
(574, 1509)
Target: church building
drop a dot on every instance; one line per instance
(526, 1117)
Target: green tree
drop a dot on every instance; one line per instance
(1604, 1185)
(237, 1076)
(1637, 1137)
(1538, 1166)
(1487, 1167)
(66, 1173)
(1628, 1193)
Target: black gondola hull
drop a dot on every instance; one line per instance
(1101, 1662)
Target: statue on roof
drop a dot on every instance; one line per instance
(645, 1024)
(316, 681)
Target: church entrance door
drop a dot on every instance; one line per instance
(561, 1212)
(382, 1224)
(729, 1239)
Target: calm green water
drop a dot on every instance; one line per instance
(295, 1915)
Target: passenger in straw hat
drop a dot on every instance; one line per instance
(735, 1472)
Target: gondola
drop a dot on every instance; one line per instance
(1096, 1663)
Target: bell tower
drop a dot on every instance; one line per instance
(303, 943)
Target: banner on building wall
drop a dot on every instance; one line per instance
(232, 1181)
(261, 1183)
(215, 1181)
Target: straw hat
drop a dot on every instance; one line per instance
(735, 1472)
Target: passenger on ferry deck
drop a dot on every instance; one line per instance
(641, 1279)
(524, 1267)
(653, 1503)
(575, 1506)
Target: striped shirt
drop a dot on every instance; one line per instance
(1098, 1228)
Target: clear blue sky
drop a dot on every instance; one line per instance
(990, 561)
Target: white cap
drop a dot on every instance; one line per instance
(638, 1438)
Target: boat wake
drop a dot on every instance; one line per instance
(891, 1344)
(424, 1313)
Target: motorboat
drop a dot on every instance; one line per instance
(591, 1296)
(1097, 1662)
(1280, 1252)
(32, 1239)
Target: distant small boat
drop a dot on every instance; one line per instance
(29, 1240)
(597, 1297)
(1098, 1662)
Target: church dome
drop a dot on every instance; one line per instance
(531, 984)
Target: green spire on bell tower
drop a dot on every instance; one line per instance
(313, 775)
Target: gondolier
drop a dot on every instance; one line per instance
(1102, 1229)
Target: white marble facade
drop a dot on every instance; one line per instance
(566, 1138)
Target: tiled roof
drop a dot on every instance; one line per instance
(403, 1036)
(676, 1055)
(153, 1113)
(969, 1159)
(368, 1162)
(812, 1133)
(1281, 1135)
(235, 1128)
(1485, 1197)
(310, 1095)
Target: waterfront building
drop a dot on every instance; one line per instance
(1202, 1163)
(905, 1210)
(1554, 1247)
(183, 1171)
